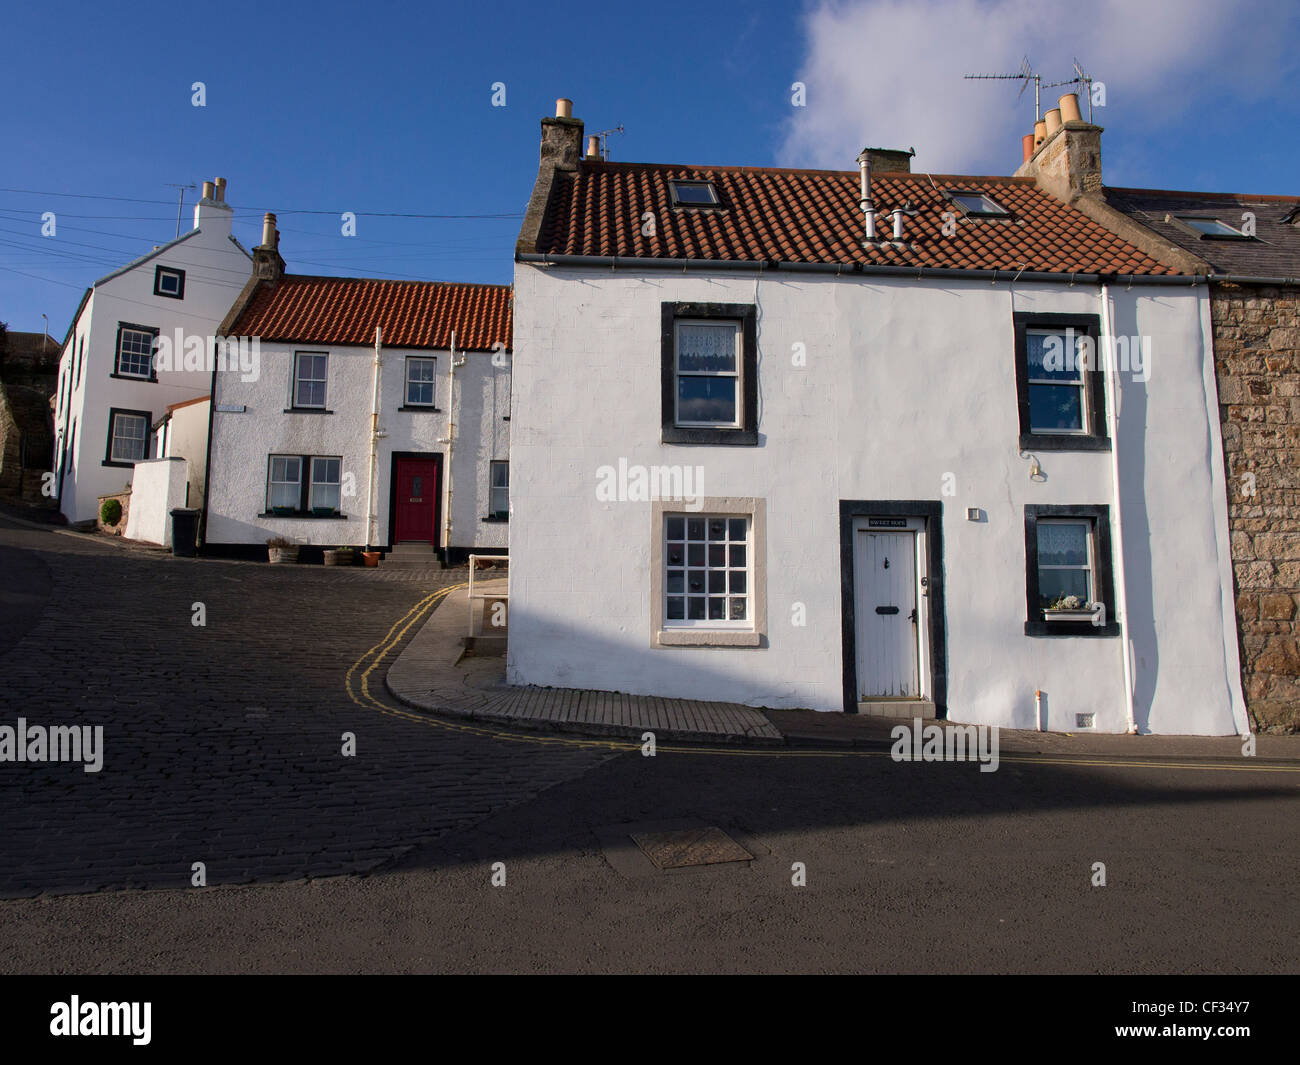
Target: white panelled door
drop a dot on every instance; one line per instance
(886, 608)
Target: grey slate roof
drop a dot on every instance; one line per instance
(1275, 252)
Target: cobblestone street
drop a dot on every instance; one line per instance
(223, 743)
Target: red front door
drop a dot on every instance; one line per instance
(417, 490)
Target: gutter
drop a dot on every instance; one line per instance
(840, 269)
(1247, 279)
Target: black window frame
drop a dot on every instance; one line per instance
(117, 354)
(113, 412)
(1103, 578)
(80, 354)
(746, 315)
(498, 515)
(158, 272)
(679, 204)
(1097, 438)
(305, 463)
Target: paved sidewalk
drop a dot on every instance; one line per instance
(430, 674)
(434, 673)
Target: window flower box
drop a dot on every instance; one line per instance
(1067, 615)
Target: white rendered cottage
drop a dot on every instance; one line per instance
(112, 391)
(380, 414)
(773, 447)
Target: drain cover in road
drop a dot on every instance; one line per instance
(690, 846)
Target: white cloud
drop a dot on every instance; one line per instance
(888, 73)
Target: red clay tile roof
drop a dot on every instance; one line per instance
(412, 314)
(812, 216)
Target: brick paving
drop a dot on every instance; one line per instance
(222, 744)
(429, 674)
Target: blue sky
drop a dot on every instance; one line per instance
(387, 108)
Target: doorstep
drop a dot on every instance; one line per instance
(905, 709)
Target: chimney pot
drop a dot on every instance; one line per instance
(208, 190)
(270, 235)
(1053, 119)
(563, 108)
(1040, 133)
(1069, 105)
(1027, 146)
(220, 189)
(593, 147)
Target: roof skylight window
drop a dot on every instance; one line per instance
(694, 194)
(1212, 227)
(977, 205)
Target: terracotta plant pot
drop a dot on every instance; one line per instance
(371, 557)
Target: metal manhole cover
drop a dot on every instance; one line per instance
(690, 846)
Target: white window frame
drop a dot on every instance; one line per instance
(688, 632)
(120, 368)
(271, 481)
(1090, 567)
(114, 437)
(495, 510)
(988, 207)
(167, 272)
(432, 382)
(313, 483)
(299, 380)
(1085, 411)
(737, 375)
(1232, 233)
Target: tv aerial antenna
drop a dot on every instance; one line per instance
(1026, 75)
(180, 207)
(603, 134)
(1084, 80)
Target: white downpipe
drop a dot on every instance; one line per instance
(1112, 422)
(372, 522)
(451, 441)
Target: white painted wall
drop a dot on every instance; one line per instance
(242, 443)
(187, 438)
(903, 383)
(216, 269)
(157, 487)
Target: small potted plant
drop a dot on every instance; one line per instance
(324, 512)
(281, 549)
(339, 556)
(283, 512)
(1068, 608)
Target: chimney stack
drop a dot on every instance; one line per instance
(212, 213)
(267, 263)
(1066, 157)
(889, 160)
(561, 151)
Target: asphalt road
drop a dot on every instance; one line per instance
(386, 862)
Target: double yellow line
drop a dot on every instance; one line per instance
(357, 683)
